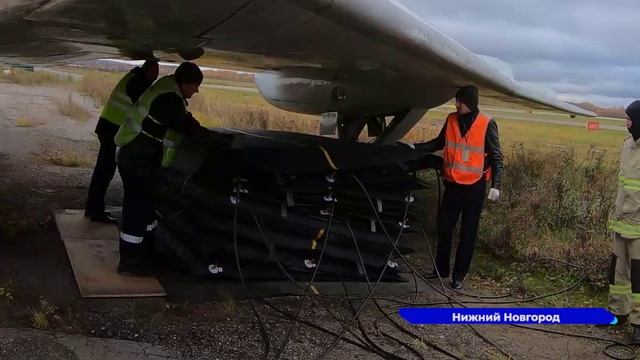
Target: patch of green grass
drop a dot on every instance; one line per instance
(24, 123)
(70, 108)
(542, 137)
(548, 138)
(537, 278)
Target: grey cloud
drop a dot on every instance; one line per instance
(579, 48)
(594, 79)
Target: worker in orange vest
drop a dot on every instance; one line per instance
(471, 158)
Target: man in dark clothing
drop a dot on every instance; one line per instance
(160, 119)
(472, 155)
(126, 92)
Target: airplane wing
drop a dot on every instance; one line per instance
(350, 56)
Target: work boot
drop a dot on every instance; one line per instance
(103, 217)
(456, 284)
(134, 260)
(635, 336)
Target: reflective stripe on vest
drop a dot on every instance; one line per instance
(119, 103)
(627, 230)
(620, 289)
(170, 143)
(464, 157)
(629, 184)
(133, 124)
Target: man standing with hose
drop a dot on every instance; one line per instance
(472, 157)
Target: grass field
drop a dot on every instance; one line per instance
(522, 128)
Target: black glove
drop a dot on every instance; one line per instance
(434, 162)
(428, 161)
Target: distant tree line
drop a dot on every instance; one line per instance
(614, 112)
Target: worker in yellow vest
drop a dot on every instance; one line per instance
(148, 141)
(471, 158)
(126, 92)
(624, 271)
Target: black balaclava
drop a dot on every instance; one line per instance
(468, 95)
(188, 73)
(633, 112)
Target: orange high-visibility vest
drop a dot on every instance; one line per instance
(464, 157)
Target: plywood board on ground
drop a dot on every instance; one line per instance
(93, 253)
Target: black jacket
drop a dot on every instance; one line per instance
(170, 110)
(135, 87)
(491, 145)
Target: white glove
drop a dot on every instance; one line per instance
(494, 194)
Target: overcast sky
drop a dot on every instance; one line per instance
(583, 49)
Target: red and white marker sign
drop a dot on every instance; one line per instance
(593, 126)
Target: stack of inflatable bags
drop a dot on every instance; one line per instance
(288, 205)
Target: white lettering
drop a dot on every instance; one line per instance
(508, 317)
(456, 317)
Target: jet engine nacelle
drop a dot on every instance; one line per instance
(316, 92)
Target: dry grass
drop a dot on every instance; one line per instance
(6, 293)
(215, 108)
(34, 78)
(99, 85)
(228, 305)
(68, 159)
(42, 315)
(68, 107)
(24, 123)
(226, 75)
(422, 132)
